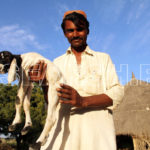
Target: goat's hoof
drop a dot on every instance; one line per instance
(13, 127)
(25, 130)
(35, 146)
(44, 141)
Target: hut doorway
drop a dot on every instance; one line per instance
(124, 142)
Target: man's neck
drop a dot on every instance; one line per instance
(77, 52)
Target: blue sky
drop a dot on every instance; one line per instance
(120, 28)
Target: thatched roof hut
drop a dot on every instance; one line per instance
(132, 116)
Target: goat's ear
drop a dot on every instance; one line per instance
(12, 71)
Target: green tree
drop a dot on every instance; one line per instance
(7, 112)
(7, 108)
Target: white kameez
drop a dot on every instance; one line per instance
(88, 128)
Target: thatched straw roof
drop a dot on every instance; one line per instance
(132, 116)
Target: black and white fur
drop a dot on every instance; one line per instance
(18, 66)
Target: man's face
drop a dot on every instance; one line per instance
(76, 36)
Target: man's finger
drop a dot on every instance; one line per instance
(41, 66)
(64, 95)
(65, 86)
(36, 69)
(43, 71)
(30, 71)
(61, 90)
(65, 101)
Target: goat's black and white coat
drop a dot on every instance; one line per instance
(18, 66)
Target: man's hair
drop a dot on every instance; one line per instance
(78, 19)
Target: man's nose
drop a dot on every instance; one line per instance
(75, 33)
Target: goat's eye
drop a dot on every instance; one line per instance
(2, 55)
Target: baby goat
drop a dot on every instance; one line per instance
(18, 66)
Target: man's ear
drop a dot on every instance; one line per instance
(65, 34)
(12, 71)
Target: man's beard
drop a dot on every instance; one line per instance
(80, 47)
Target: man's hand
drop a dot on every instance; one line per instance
(37, 72)
(69, 95)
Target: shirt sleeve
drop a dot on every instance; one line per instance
(113, 88)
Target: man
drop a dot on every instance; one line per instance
(92, 89)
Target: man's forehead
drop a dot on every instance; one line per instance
(71, 24)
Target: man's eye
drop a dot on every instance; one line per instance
(80, 29)
(69, 30)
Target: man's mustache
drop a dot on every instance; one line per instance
(76, 38)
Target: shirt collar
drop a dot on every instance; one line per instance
(86, 51)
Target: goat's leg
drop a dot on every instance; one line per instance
(26, 107)
(18, 104)
(51, 114)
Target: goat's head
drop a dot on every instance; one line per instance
(5, 61)
(8, 63)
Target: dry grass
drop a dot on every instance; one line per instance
(7, 144)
